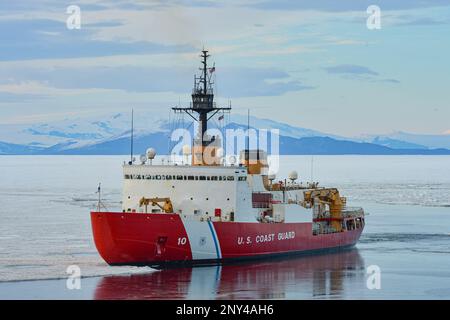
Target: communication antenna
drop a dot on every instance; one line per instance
(100, 203)
(131, 142)
(248, 130)
(203, 107)
(312, 168)
(99, 196)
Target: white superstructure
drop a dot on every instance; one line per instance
(225, 193)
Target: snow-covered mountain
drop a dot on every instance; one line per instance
(405, 140)
(76, 132)
(396, 144)
(110, 134)
(427, 140)
(84, 131)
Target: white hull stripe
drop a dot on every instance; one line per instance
(202, 240)
(216, 240)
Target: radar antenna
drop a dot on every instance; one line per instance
(202, 104)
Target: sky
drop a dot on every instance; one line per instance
(312, 64)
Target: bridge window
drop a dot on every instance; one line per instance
(180, 177)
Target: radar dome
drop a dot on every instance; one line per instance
(151, 153)
(143, 158)
(293, 175)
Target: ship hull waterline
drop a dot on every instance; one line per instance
(163, 240)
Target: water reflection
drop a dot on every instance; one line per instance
(319, 276)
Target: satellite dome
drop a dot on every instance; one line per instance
(143, 158)
(293, 175)
(151, 153)
(272, 176)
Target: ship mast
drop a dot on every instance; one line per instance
(204, 106)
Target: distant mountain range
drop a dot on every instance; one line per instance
(111, 136)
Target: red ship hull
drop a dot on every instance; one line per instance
(157, 239)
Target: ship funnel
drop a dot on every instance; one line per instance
(255, 161)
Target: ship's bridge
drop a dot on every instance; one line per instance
(202, 191)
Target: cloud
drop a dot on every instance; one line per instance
(103, 24)
(319, 5)
(47, 39)
(7, 97)
(356, 72)
(252, 82)
(424, 21)
(395, 81)
(346, 5)
(35, 89)
(231, 81)
(159, 26)
(53, 5)
(351, 69)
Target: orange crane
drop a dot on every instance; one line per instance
(331, 197)
(167, 207)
